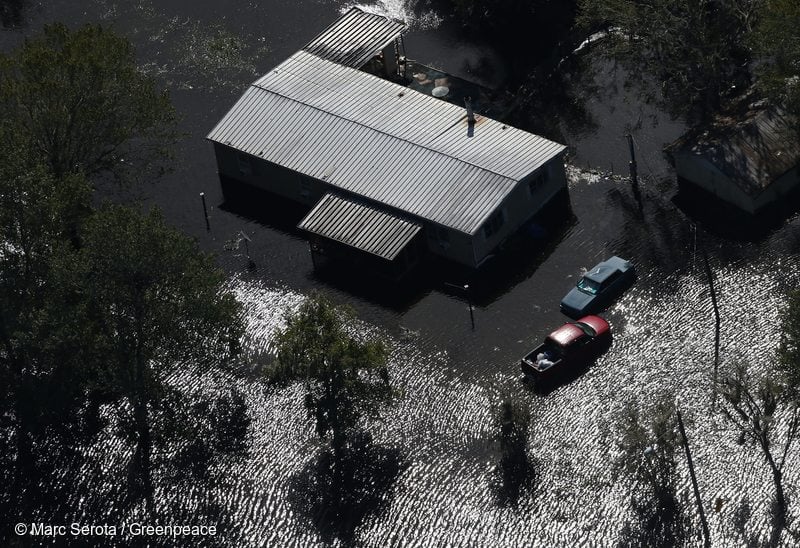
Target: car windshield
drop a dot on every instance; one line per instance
(586, 328)
(588, 286)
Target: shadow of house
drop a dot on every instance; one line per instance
(359, 274)
(748, 163)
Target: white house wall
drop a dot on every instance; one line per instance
(268, 176)
(779, 189)
(704, 174)
(521, 205)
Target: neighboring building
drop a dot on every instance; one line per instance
(752, 162)
(388, 170)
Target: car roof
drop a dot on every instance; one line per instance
(602, 271)
(566, 334)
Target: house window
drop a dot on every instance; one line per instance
(245, 167)
(305, 188)
(494, 223)
(539, 180)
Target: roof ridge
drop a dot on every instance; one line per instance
(392, 135)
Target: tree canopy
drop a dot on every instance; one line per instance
(777, 39)
(647, 440)
(789, 350)
(77, 103)
(97, 307)
(689, 55)
(154, 302)
(344, 378)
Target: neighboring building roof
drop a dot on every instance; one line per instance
(752, 151)
(361, 226)
(354, 38)
(380, 140)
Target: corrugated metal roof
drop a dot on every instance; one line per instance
(354, 38)
(383, 141)
(361, 226)
(753, 151)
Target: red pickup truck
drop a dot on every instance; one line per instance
(571, 346)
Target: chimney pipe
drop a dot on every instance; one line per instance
(470, 112)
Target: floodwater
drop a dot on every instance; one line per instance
(438, 437)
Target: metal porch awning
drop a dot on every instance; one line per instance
(360, 226)
(355, 37)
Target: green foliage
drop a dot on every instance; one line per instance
(147, 302)
(97, 307)
(648, 440)
(689, 55)
(789, 350)
(76, 101)
(158, 299)
(777, 40)
(344, 378)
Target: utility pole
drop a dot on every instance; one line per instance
(634, 176)
(469, 301)
(465, 289)
(710, 276)
(632, 163)
(205, 210)
(685, 442)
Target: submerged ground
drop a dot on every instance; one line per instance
(440, 431)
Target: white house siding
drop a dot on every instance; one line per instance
(456, 246)
(520, 205)
(785, 185)
(704, 174)
(268, 176)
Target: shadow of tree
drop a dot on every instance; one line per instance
(658, 521)
(515, 473)
(514, 476)
(333, 498)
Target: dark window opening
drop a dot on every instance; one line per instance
(245, 167)
(539, 180)
(494, 223)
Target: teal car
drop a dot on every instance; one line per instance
(599, 287)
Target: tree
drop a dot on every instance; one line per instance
(777, 40)
(344, 378)
(789, 349)
(154, 303)
(760, 412)
(648, 443)
(41, 373)
(693, 54)
(77, 101)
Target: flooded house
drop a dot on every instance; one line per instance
(389, 164)
(751, 162)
